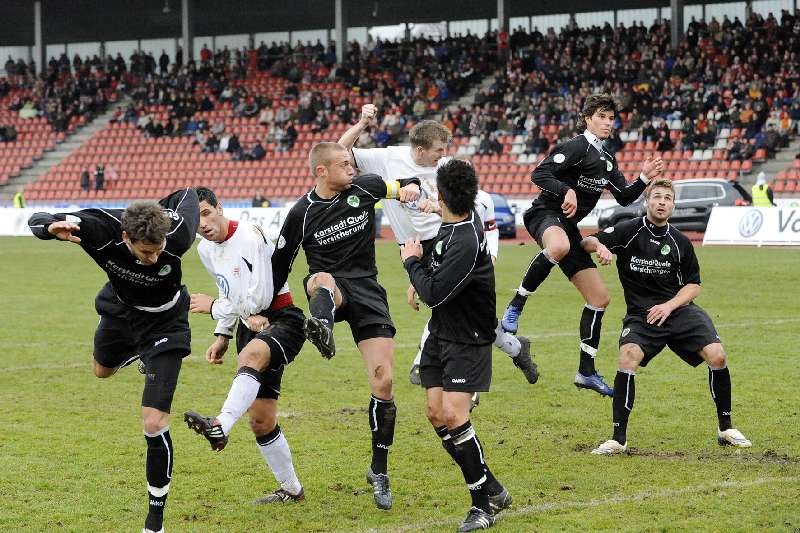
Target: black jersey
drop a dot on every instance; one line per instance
(579, 166)
(150, 286)
(459, 283)
(653, 262)
(337, 234)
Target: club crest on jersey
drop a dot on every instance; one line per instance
(166, 269)
(353, 200)
(559, 158)
(665, 249)
(439, 247)
(281, 242)
(609, 166)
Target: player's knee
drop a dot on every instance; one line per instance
(558, 250)
(716, 356)
(381, 380)
(601, 300)
(436, 416)
(321, 279)
(154, 421)
(253, 356)
(630, 355)
(101, 371)
(262, 423)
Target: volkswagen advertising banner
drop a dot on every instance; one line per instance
(758, 226)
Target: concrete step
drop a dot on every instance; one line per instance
(62, 150)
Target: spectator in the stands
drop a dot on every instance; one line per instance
(85, 179)
(99, 178)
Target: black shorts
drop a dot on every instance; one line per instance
(687, 331)
(125, 332)
(537, 220)
(364, 307)
(285, 339)
(454, 366)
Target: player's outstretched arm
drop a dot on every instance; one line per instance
(348, 138)
(593, 244)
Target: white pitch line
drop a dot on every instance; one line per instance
(637, 497)
(534, 337)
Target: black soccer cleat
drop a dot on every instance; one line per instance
(380, 489)
(501, 500)
(476, 519)
(207, 427)
(524, 362)
(320, 336)
(281, 496)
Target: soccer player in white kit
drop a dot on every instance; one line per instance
(429, 141)
(269, 336)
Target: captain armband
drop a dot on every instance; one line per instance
(392, 189)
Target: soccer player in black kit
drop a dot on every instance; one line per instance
(456, 359)
(572, 178)
(143, 308)
(334, 223)
(660, 278)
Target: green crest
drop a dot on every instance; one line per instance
(665, 249)
(353, 200)
(609, 165)
(166, 269)
(439, 247)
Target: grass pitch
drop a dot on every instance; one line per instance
(72, 452)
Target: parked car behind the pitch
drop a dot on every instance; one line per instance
(505, 218)
(694, 200)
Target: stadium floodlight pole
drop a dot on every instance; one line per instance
(676, 33)
(38, 41)
(340, 30)
(187, 29)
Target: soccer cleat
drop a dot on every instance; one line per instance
(281, 496)
(501, 500)
(510, 319)
(610, 447)
(207, 427)
(524, 362)
(380, 489)
(413, 375)
(594, 382)
(320, 336)
(732, 437)
(476, 519)
(474, 400)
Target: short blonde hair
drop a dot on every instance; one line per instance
(428, 131)
(320, 154)
(663, 183)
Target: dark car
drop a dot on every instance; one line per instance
(694, 200)
(505, 218)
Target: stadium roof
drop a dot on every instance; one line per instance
(107, 20)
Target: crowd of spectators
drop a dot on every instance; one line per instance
(724, 75)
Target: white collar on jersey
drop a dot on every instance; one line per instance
(594, 140)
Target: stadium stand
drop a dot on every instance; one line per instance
(727, 99)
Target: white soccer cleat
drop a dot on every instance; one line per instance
(610, 447)
(732, 437)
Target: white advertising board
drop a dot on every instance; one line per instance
(756, 226)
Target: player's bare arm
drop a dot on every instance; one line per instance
(368, 114)
(200, 303)
(658, 314)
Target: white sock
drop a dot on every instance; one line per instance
(241, 396)
(425, 333)
(506, 342)
(278, 457)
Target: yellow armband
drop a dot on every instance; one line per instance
(392, 189)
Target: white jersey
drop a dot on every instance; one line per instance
(242, 269)
(394, 163)
(484, 206)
